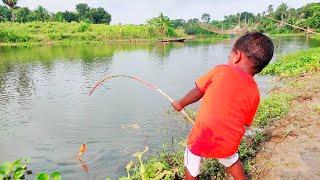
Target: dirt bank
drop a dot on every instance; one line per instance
(293, 151)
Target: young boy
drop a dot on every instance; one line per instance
(230, 98)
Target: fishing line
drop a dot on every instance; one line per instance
(148, 84)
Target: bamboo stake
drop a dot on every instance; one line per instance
(145, 83)
(292, 25)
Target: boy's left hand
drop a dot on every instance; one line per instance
(177, 105)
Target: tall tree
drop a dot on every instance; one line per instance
(5, 14)
(282, 11)
(161, 22)
(83, 11)
(205, 18)
(270, 9)
(99, 16)
(11, 4)
(22, 14)
(69, 16)
(42, 14)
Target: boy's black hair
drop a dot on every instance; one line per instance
(257, 47)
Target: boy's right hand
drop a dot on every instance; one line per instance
(177, 105)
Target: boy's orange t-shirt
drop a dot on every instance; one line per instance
(230, 101)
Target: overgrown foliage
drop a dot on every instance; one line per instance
(59, 31)
(295, 64)
(14, 170)
(18, 170)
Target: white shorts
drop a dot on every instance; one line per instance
(192, 162)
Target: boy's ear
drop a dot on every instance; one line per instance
(236, 56)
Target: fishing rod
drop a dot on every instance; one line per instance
(154, 87)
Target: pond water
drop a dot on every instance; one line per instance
(46, 113)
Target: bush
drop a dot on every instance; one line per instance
(11, 36)
(83, 27)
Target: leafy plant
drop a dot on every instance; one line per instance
(14, 170)
(53, 176)
(295, 64)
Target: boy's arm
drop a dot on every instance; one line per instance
(192, 96)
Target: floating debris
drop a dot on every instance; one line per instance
(130, 126)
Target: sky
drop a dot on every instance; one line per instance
(137, 11)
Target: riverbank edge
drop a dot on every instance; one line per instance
(204, 39)
(199, 38)
(272, 109)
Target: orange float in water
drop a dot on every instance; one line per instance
(82, 149)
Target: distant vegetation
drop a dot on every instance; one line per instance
(24, 14)
(22, 26)
(307, 16)
(33, 32)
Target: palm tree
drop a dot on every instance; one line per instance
(270, 9)
(42, 14)
(283, 10)
(11, 4)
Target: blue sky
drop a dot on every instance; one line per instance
(137, 11)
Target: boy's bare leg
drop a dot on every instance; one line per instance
(237, 171)
(187, 175)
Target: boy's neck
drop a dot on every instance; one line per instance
(245, 69)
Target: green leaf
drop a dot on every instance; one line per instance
(17, 163)
(18, 174)
(6, 168)
(56, 175)
(43, 176)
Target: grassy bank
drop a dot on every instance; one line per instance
(295, 64)
(34, 32)
(169, 164)
(39, 33)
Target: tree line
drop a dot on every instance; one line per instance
(307, 16)
(83, 12)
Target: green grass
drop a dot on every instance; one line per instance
(274, 107)
(295, 64)
(169, 165)
(40, 33)
(59, 31)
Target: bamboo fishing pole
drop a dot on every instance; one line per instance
(146, 84)
(297, 27)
